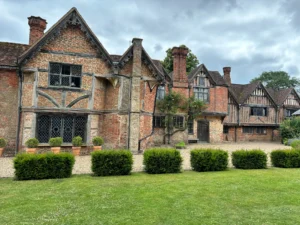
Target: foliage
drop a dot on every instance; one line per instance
(286, 158)
(43, 166)
(249, 159)
(162, 160)
(112, 162)
(296, 144)
(3, 143)
(171, 103)
(32, 143)
(55, 142)
(98, 141)
(195, 107)
(277, 80)
(290, 128)
(209, 160)
(180, 144)
(77, 141)
(191, 61)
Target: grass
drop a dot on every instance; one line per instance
(269, 196)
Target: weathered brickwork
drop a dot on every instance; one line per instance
(271, 135)
(218, 102)
(8, 111)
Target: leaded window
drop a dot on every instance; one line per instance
(160, 93)
(178, 121)
(159, 121)
(225, 129)
(258, 111)
(65, 75)
(261, 130)
(289, 112)
(190, 126)
(60, 125)
(248, 130)
(201, 94)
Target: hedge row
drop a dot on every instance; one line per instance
(43, 166)
(162, 160)
(249, 159)
(112, 162)
(286, 158)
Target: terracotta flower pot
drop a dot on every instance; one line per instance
(76, 151)
(97, 148)
(31, 150)
(1, 151)
(55, 150)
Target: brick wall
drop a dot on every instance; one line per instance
(270, 136)
(8, 108)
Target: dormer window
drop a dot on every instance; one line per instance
(65, 75)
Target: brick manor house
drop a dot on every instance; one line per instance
(64, 83)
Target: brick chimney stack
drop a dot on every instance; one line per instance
(226, 76)
(37, 27)
(179, 64)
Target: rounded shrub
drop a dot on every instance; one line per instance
(98, 141)
(77, 141)
(162, 160)
(32, 143)
(43, 166)
(3, 143)
(112, 162)
(55, 142)
(209, 160)
(249, 159)
(286, 158)
(296, 144)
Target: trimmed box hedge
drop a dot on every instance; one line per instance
(286, 158)
(43, 166)
(112, 162)
(249, 159)
(162, 160)
(209, 160)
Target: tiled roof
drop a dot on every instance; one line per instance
(242, 91)
(279, 96)
(9, 52)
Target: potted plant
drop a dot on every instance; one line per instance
(76, 142)
(55, 144)
(31, 145)
(3, 144)
(180, 145)
(97, 142)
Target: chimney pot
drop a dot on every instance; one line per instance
(37, 27)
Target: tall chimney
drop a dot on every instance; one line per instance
(179, 64)
(226, 76)
(37, 26)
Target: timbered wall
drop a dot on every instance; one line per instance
(232, 116)
(291, 100)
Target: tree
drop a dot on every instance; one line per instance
(191, 61)
(172, 102)
(277, 80)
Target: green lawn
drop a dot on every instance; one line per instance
(269, 196)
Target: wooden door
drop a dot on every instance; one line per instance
(203, 130)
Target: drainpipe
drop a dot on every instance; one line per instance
(20, 75)
(152, 132)
(129, 114)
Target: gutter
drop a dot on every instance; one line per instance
(20, 75)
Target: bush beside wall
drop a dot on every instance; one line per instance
(43, 166)
(286, 158)
(209, 160)
(112, 162)
(249, 159)
(162, 160)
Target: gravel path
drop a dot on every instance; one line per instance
(83, 163)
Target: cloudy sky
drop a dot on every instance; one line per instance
(250, 36)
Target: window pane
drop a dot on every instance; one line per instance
(56, 126)
(68, 129)
(54, 80)
(66, 70)
(79, 126)
(55, 68)
(43, 129)
(76, 70)
(65, 81)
